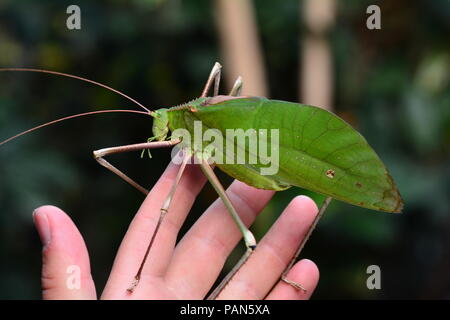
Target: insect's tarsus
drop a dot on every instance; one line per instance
(78, 78)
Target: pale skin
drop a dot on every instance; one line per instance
(186, 270)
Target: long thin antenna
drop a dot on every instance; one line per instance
(78, 78)
(67, 118)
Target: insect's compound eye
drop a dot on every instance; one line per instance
(156, 114)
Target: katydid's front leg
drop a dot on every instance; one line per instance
(101, 153)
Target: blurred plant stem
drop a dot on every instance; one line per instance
(240, 45)
(316, 83)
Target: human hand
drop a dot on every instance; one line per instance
(186, 270)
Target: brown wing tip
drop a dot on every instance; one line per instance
(400, 204)
(396, 195)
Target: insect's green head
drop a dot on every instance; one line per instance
(160, 124)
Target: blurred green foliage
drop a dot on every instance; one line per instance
(392, 84)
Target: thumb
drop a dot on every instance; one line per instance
(66, 271)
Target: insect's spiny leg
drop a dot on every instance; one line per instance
(302, 244)
(237, 87)
(230, 275)
(217, 82)
(122, 175)
(249, 239)
(163, 211)
(214, 76)
(101, 153)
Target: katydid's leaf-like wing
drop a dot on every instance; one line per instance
(317, 151)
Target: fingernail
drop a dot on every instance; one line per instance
(42, 226)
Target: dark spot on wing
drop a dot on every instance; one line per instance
(330, 173)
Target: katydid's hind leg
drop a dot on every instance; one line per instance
(214, 76)
(237, 87)
(249, 239)
(231, 274)
(101, 153)
(296, 285)
(163, 211)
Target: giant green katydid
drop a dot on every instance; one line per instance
(316, 150)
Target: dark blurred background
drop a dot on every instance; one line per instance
(391, 84)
